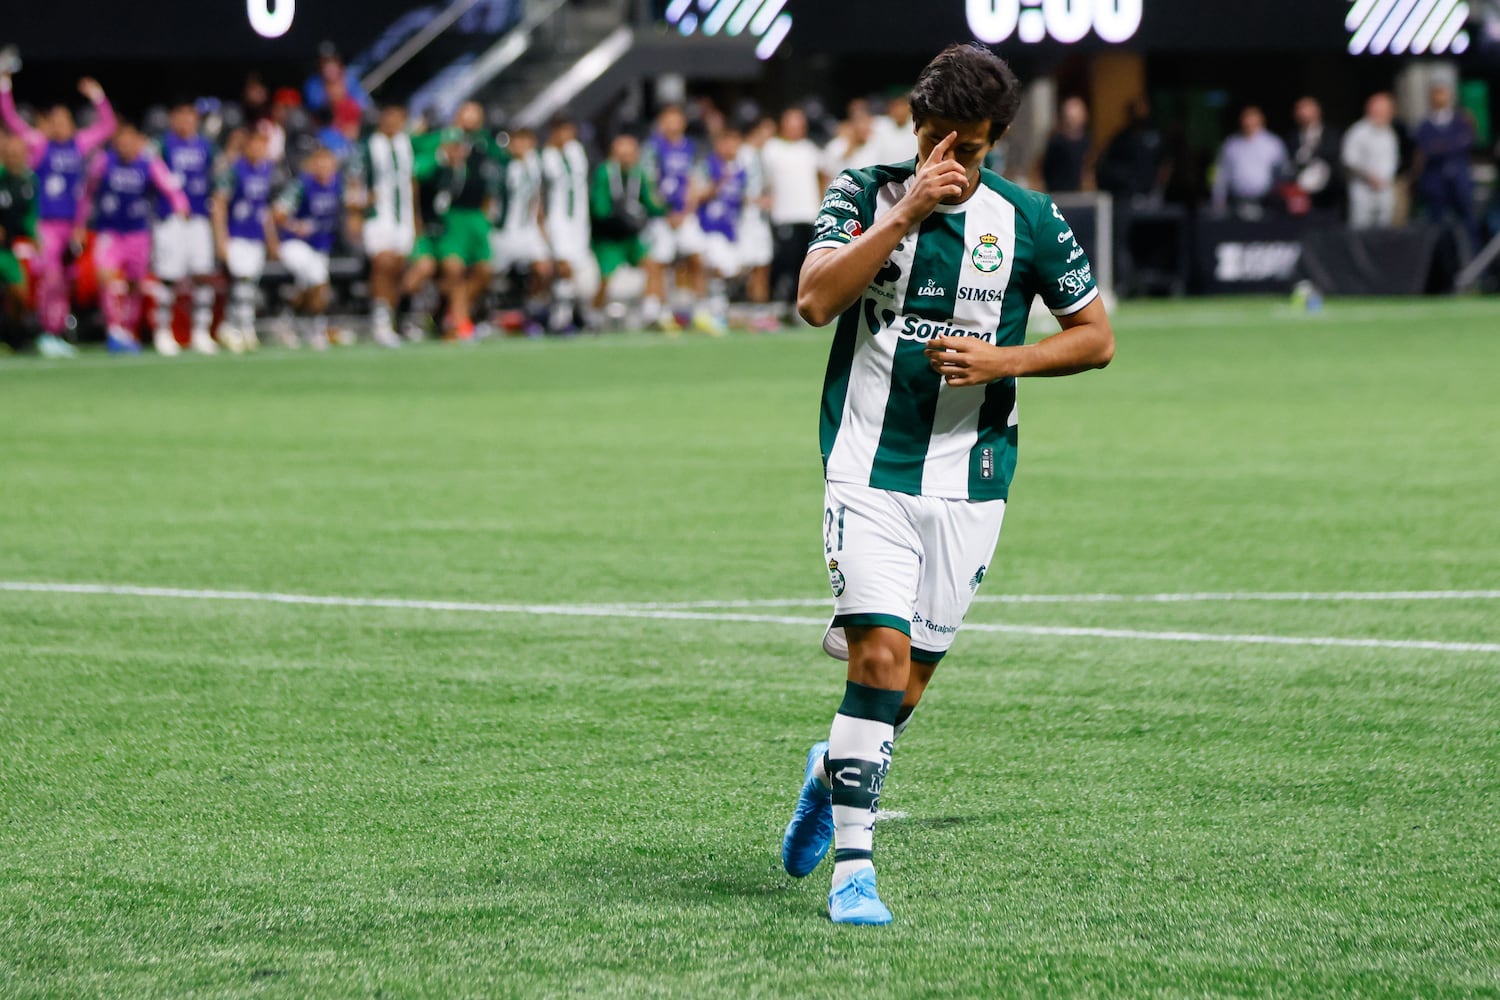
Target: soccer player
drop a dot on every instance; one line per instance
(184, 247)
(719, 213)
(621, 203)
(468, 175)
(517, 242)
(118, 188)
(383, 203)
(59, 151)
(565, 169)
(244, 236)
(17, 222)
(930, 267)
(675, 238)
(307, 215)
(755, 241)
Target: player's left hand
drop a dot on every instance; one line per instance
(89, 87)
(965, 361)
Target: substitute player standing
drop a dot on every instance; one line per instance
(930, 267)
(183, 247)
(383, 204)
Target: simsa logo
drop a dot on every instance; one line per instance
(270, 21)
(1065, 21)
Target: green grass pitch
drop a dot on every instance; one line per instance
(234, 797)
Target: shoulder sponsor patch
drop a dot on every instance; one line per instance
(1076, 281)
(848, 185)
(833, 203)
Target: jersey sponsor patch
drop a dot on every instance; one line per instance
(834, 203)
(1077, 280)
(852, 227)
(913, 328)
(847, 185)
(970, 294)
(986, 256)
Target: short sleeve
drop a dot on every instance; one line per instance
(225, 182)
(843, 215)
(1065, 278)
(290, 198)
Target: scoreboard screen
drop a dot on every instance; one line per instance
(1360, 27)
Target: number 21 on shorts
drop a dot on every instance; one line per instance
(833, 530)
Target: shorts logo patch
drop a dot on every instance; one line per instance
(835, 578)
(976, 579)
(987, 256)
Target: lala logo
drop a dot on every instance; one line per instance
(931, 290)
(986, 255)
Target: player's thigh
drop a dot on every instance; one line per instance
(169, 251)
(721, 255)
(661, 238)
(245, 259)
(958, 544)
(308, 267)
(874, 561)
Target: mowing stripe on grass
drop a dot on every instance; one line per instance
(677, 614)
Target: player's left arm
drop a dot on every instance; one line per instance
(1086, 341)
(1065, 281)
(166, 183)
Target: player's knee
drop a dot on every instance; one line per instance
(879, 657)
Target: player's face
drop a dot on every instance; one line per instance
(470, 117)
(15, 155)
(626, 151)
(672, 124)
(129, 143)
(522, 143)
(969, 149)
(323, 166)
(255, 147)
(60, 124)
(392, 120)
(185, 121)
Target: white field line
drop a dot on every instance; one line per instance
(675, 614)
(1185, 598)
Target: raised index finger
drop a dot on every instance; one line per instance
(941, 150)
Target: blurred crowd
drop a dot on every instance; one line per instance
(461, 228)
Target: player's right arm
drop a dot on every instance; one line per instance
(219, 211)
(36, 143)
(833, 278)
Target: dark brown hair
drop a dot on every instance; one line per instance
(967, 83)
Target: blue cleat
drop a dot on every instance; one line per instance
(855, 901)
(810, 832)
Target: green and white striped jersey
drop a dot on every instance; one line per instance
(970, 270)
(523, 192)
(566, 173)
(382, 170)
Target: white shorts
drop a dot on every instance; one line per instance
(756, 244)
(570, 245)
(670, 245)
(905, 562)
(246, 258)
(182, 248)
(509, 247)
(383, 235)
(569, 241)
(722, 255)
(309, 267)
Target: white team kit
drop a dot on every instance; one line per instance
(518, 239)
(565, 170)
(382, 172)
(918, 471)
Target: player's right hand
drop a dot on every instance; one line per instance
(939, 178)
(89, 87)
